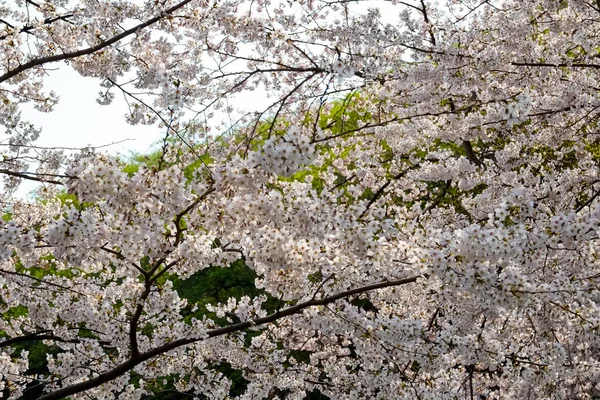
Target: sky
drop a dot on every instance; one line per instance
(79, 121)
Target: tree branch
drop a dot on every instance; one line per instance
(470, 153)
(132, 362)
(47, 21)
(571, 65)
(149, 279)
(42, 335)
(46, 334)
(588, 202)
(426, 20)
(90, 50)
(382, 188)
(3, 271)
(135, 319)
(28, 176)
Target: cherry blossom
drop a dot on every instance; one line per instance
(417, 208)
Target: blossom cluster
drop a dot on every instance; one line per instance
(426, 229)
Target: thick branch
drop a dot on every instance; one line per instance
(379, 193)
(470, 153)
(149, 279)
(135, 319)
(42, 335)
(562, 65)
(132, 362)
(90, 50)
(47, 21)
(29, 176)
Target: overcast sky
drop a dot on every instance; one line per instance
(78, 120)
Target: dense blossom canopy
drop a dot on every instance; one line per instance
(417, 209)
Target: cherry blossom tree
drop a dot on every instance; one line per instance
(417, 208)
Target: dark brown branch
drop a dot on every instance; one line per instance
(29, 176)
(122, 257)
(135, 319)
(7, 24)
(47, 21)
(409, 5)
(304, 54)
(561, 65)
(132, 362)
(3, 271)
(33, 3)
(588, 202)
(410, 118)
(178, 234)
(46, 334)
(149, 279)
(90, 50)
(343, 182)
(426, 20)
(31, 146)
(470, 153)
(285, 98)
(323, 284)
(42, 335)
(440, 197)
(379, 193)
(163, 120)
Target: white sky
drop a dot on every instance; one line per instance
(78, 120)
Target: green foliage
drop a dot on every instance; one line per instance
(345, 116)
(15, 312)
(131, 169)
(71, 199)
(191, 170)
(154, 160)
(212, 285)
(65, 198)
(40, 271)
(364, 304)
(215, 285)
(163, 387)
(37, 357)
(218, 284)
(238, 382)
(593, 147)
(568, 159)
